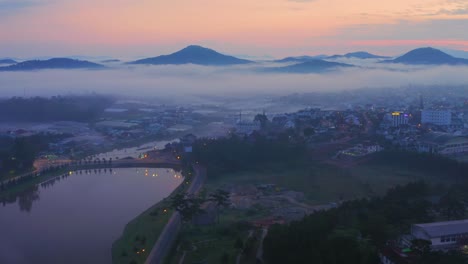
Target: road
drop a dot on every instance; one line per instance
(172, 228)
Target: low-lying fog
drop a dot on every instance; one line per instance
(190, 81)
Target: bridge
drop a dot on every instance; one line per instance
(162, 160)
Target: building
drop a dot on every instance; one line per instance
(443, 143)
(187, 142)
(399, 119)
(443, 235)
(245, 127)
(436, 117)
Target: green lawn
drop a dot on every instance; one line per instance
(141, 234)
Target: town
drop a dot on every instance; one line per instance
(342, 142)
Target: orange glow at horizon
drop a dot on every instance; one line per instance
(273, 24)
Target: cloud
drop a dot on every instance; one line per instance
(449, 33)
(459, 11)
(189, 82)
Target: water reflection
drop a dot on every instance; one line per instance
(27, 197)
(84, 209)
(24, 198)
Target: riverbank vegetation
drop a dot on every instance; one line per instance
(17, 155)
(141, 234)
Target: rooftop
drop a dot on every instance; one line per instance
(438, 229)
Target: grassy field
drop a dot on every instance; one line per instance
(321, 183)
(143, 232)
(208, 244)
(140, 235)
(325, 183)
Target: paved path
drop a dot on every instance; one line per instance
(259, 255)
(239, 256)
(173, 226)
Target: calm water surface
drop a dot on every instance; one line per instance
(76, 218)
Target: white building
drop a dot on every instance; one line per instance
(443, 235)
(399, 118)
(443, 143)
(436, 117)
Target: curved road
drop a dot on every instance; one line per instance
(172, 228)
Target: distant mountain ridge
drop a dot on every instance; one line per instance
(312, 66)
(193, 55)
(55, 63)
(7, 61)
(358, 55)
(428, 56)
(301, 58)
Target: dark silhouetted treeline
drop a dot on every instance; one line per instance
(18, 155)
(424, 162)
(39, 109)
(354, 232)
(241, 153)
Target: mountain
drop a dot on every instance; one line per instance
(312, 66)
(55, 63)
(301, 58)
(7, 61)
(428, 56)
(193, 55)
(358, 55)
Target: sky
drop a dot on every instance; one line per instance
(247, 28)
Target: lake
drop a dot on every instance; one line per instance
(75, 218)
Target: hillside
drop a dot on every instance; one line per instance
(428, 56)
(55, 63)
(313, 66)
(358, 55)
(193, 55)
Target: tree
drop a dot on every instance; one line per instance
(187, 206)
(263, 119)
(224, 258)
(452, 205)
(239, 244)
(421, 246)
(308, 131)
(221, 198)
